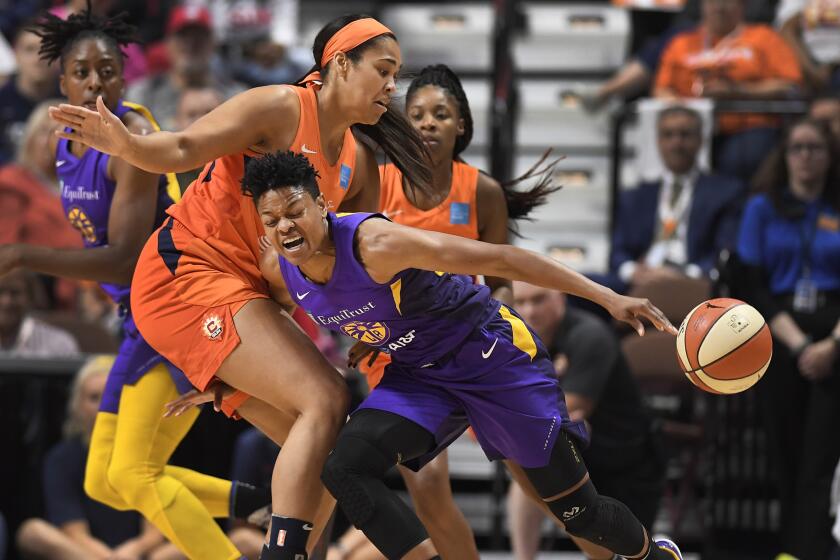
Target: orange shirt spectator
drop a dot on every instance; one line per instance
(750, 62)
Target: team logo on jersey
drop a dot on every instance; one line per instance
(459, 213)
(79, 220)
(369, 333)
(344, 176)
(212, 327)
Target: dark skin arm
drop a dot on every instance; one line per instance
(387, 248)
(129, 225)
(492, 211)
(264, 119)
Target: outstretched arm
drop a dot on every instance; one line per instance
(260, 116)
(387, 248)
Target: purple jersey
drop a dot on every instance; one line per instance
(418, 316)
(87, 192)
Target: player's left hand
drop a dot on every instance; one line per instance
(817, 359)
(630, 310)
(359, 351)
(216, 391)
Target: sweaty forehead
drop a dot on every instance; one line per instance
(92, 49)
(278, 199)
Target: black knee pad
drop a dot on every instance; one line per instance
(354, 457)
(601, 520)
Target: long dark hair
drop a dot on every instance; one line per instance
(393, 133)
(774, 178)
(519, 203)
(58, 35)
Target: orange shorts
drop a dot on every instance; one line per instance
(184, 295)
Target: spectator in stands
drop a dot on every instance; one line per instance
(30, 207)
(77, 527)
(724, 58)
(195, 102)
(789, 245)
(675, 226)
(258, 36)
(22, 335)
(191, 49)
(34, 82)
(812, 28)
(624, 457)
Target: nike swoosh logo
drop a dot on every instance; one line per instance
(392, 214)
(301, 296)
(306, 150)
(486, 355)
(307, 527)
(60, 162)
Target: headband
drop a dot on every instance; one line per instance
(346, 39)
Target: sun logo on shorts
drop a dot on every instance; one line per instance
(369, 333)
(212, 327)
(79, 220)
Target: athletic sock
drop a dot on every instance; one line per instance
(287, 539)
(245, 499)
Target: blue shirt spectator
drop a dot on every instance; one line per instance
(783, 244)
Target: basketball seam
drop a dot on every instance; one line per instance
(744, 377)
(705, 334)
(713, 362)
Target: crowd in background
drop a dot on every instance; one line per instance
(769, 200)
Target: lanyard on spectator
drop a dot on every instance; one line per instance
(806, 295)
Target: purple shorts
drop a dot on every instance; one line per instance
(134, 358)
(500, 381)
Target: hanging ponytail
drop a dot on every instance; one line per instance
(519, 203)
(393, 133)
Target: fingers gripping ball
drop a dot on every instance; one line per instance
(724, 346)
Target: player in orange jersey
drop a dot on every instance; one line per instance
(198, 296)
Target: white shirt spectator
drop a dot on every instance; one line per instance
(37, 339)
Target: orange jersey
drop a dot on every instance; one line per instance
(201, 267)
(456, 215)
(749, 54)
(215, 210)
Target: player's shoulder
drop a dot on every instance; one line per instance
(487, 188)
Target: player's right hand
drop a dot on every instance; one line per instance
(359, 351)
(101, 129)
(216, 391)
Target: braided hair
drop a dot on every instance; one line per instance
(519, 203)
(59, 36)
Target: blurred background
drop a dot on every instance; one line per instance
(745, 476)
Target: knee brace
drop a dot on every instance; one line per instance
(353, 459)
(600, 519)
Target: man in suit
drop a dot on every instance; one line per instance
(675, 226)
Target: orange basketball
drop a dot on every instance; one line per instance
(724, 346)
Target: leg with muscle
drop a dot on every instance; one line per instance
(431, 494)
(143, 443)
(372, 442)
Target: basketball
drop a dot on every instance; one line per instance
(724, 346)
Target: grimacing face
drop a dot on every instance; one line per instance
(294, 222)
(367, 86)
(435, 115)
(91, 69)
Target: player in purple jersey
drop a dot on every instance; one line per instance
(115, 207)
(458, 357)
